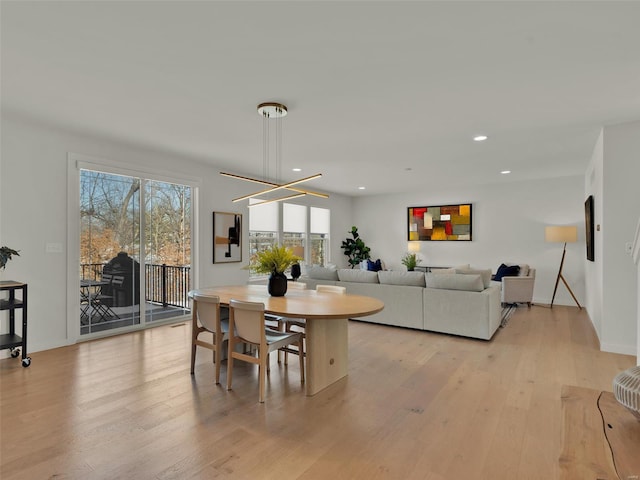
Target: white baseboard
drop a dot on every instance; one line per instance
(616, 348)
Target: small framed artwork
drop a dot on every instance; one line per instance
(589, 234)
(439, 222)
(227, 241)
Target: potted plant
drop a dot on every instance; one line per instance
(274, 261)
(355, 249)
(5, 256)
(410, 260)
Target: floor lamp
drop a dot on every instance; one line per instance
(561, 235)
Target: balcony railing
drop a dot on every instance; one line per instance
(167, 285)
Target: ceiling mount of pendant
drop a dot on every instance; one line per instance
(272, 110)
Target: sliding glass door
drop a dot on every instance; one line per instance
(135, 251)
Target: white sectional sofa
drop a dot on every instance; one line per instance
(463, 304)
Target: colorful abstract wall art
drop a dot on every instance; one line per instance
(444, 222)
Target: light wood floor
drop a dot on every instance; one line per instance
(415, 405)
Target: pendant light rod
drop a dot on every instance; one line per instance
(274, 111)
(264, 182)
(279, 187)
(277, 199)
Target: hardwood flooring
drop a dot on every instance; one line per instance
(415, 405)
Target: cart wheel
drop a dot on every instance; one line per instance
(26, 362)
(15, 352)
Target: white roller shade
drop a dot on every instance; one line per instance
(294, 218)
(320, 220)
(263, 218)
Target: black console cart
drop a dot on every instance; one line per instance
(11, 340)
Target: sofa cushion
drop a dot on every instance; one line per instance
(402, 278)
(439, 271)
(358, 276)
(524, 270)
(322, 273)
(506, 271)
(484, 274)
(456, 281)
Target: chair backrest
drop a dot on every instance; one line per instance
(248, 318)
(117, 280)
(107, 277)
(297, 285)
(331, 289)
(208, 311)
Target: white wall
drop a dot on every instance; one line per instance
(593, 270)
(33, 201)
(636, 260)
(621, 209)
(508, 226)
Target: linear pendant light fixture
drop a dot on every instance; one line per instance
(269, 111)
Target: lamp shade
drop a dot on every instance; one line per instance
(561, 234)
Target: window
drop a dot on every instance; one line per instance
(319, 236)
(263, 227)
(304, 229)
(294, 227)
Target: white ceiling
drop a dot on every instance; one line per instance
(373, 88)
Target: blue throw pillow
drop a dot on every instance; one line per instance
(374, 266)
(506, 271)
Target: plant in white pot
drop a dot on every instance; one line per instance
(274, 261)
(410, 260)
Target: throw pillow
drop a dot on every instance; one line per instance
(506, 271)
(374, 266)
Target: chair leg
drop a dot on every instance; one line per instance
(262, 375)
(193, 357)
(230, 363)
(216, 357)
(301, 356)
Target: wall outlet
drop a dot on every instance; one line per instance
(53, 248)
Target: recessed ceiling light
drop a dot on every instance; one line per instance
(480, 138)
(296, 169)
(361, 188)
(505, 172)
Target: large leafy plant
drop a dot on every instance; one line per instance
(355, 248)
(5, 255)
(275, 259)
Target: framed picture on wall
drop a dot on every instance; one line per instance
(439, 222)
(227, 241)
(589, 233)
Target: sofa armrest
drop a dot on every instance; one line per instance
(517, 289)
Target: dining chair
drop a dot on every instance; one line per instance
(246, 322)
(277, 322)
(208, 316)
(101, 299)
(301, 323)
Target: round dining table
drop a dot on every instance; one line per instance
(326, 314)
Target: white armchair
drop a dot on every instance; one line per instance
(519, 289)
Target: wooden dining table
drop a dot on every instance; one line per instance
(326, 314)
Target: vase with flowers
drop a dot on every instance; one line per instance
(274, 261)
